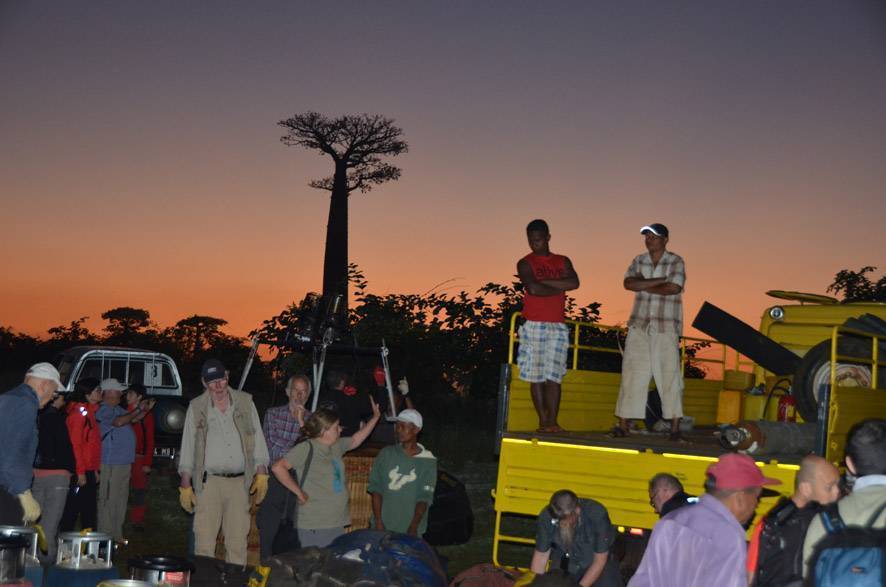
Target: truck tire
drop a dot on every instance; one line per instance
(815, 369)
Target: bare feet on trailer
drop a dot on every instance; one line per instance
(555, 429)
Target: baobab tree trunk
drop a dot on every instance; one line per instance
(335, 260)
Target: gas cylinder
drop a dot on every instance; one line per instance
(787, 408)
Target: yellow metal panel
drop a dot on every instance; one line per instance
(848, 406)
(700, 400)
(530, 471)
(587, 401)
(729, 406)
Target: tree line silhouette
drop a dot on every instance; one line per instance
(448, 345)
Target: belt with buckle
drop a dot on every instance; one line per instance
(227, 475)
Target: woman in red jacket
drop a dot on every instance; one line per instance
(144, 454)
(87, 444)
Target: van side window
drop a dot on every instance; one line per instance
(151, 373)
(103, 368)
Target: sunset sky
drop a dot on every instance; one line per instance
(140, 161)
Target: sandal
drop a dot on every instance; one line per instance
(617, 432)
(677, 437)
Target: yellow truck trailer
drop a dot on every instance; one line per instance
(616, 471)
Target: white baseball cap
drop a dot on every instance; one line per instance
(410, 417)
(46, 371)
(111, 384)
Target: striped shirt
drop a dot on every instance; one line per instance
(663, 313)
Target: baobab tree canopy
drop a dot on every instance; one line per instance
(357, 144)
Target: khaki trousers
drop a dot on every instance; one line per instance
(223, 503)
(113, 493)
(650, 355)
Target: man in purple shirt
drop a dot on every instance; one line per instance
(704, 544)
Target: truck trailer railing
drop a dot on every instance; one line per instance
(576, 347)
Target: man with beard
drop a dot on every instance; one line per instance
(576, 536)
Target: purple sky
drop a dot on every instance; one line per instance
(141, 164)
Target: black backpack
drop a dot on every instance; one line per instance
(849, 556)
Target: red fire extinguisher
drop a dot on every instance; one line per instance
(787, 411)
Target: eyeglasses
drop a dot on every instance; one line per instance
(652, 497)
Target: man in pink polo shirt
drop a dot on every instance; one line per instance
(704, 544)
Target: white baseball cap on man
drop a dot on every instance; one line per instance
(410, 416)
(111, 384)
(46, 371)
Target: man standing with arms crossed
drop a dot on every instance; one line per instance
(544, 338)
(224, 459)
(652, 348)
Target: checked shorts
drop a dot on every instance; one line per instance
(543, 349)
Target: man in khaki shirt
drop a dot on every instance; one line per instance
(224, 459)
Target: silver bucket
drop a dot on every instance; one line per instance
(26, 532)
(13, 550)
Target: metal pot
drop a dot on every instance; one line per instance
(27, 532)
(90, 550)
(12, 558)
(161, 570)
(124, 583)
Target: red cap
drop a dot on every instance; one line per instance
(738, 471)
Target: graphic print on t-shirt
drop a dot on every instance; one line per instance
(398, 480)
(338, 476)
(547, 272)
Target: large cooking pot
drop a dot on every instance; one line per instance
(12, 558)
(124, 583)
(28, 533)
(88, 551)
(161, 570)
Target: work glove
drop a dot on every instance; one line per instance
(187, 499)
(403, 386)
(42, 544)
(259, 487)
(30, 506)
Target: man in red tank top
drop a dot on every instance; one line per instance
(544, 337)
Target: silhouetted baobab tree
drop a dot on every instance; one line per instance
(357, 143)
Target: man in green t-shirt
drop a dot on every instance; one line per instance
(402, 480)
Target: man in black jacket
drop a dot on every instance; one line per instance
(666, 494)
(775, 555)
(53, 468)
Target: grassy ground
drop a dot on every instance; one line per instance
(166, 524)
